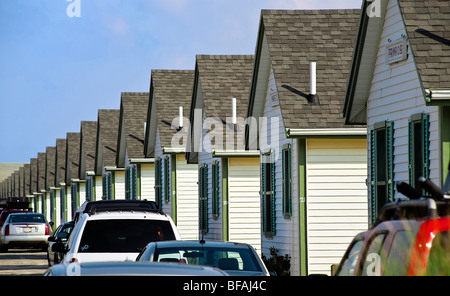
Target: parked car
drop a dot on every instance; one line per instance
(234, 258)
(411, 237)
(59, 236)
(131, 268)
(24, 230)
(110, 234)
(17, 204)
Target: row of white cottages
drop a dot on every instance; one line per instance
(292, 178)
(299, 176)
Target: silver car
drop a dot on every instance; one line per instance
(130, 268)
(25, 229)
(234, 258)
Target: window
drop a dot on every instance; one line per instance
(419, 147)
(398, 260)
(223, 258)
(203, 198)
(268, 193)
(215, 189)
(372, 262)
(287, 180)
(381, 166)
(119, 235)
(349, 266)
(158, 182)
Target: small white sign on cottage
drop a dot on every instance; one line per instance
(396, 51)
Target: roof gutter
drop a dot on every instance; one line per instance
(236, 153)
(325, 132)
(437, 97)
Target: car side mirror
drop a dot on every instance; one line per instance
(51, 239)
(59, 247)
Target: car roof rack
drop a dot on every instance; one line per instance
(94, 207)
(416, 206)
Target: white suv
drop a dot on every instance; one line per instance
(116, 235)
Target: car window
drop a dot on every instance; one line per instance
(398, 259)
(372, 262)
(33, 218)
(349, 264)
(123, 235)
(223, 258)
(439, 258)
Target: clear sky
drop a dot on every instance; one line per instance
(56, 70)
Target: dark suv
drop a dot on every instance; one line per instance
(410, 237)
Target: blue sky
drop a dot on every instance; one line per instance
(56, 70)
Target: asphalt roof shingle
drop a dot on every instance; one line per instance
(428, 28)
(171, 89)
(134, 106)
(298, 37)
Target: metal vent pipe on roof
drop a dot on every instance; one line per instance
(312, 78)
(233, 111)
(180, 117)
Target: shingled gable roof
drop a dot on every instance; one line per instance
(72, 156)
(294, 39)
(88, 139)
(106, 143)
(50, 167)
(221, 78)
(169, 89)
(33, 175)
(133, 114)
(427, 26)
(41, 171)
(60, 168)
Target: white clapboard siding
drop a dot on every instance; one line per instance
(148, 181)
(119, 185)
(187, 199)
(336, 199)
(98, 188)
(57, 193)
(396, 94)
(81, 193)
(244, 201)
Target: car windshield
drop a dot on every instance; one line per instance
(32, 218)
(223, 258)
(122, 236)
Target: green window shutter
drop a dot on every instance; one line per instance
(426, 145)
(167, 179)
(410, 153)
(203, 198)
(127, 183)
(287, 181)
(215, 188)
(263, 194)
(134, 182)
(158, 181)
(268, 194)
(390, 160)
(373, 176)
(272, 197)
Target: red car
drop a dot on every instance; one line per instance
(411, 237)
